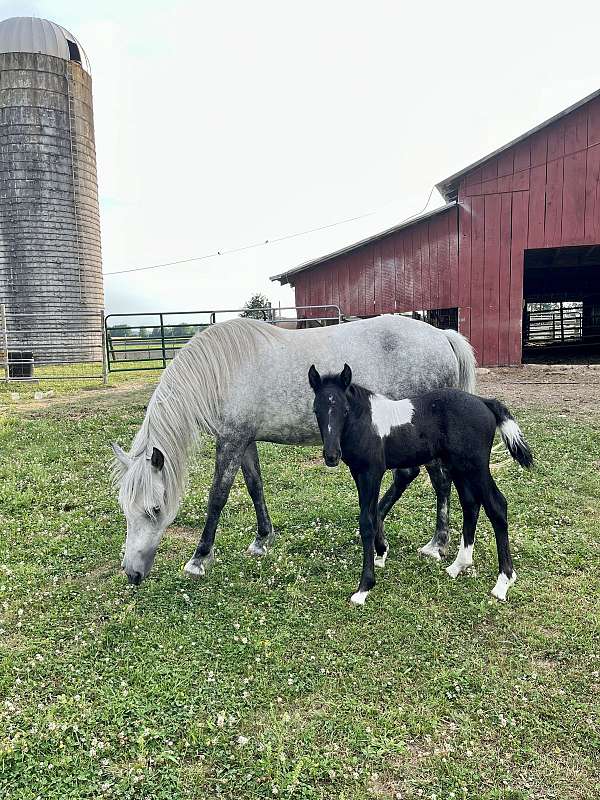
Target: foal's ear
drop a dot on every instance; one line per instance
(157, 460)
(346, 376)
(121, 455)
(314, 378)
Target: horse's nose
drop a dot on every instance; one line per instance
(134, 577)
(331, 459)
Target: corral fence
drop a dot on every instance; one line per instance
(150, 340)
(40, 343)
(561, 324)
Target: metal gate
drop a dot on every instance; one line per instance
(42, 344)
(150, 340)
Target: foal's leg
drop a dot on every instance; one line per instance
(495, 506)
(437, 546)
(227, 463)
(402, 479)
(368, 485)
(251, 471)
(469, 500)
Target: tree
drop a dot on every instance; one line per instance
(257, 301)
(121, 330)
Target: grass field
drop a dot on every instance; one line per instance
(262, 681)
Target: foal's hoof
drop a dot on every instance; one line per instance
(380, 560)
(432, 550)
(198, 567)
(456, 569)
(502, 586)
(260, 547)
(358, 598)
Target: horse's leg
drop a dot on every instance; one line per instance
(368, 485)
(437, 546)
(496, 507)
(264, 533)
(402, 479)
(470, 501)
(228, 459)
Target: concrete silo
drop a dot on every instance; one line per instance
(50, 256)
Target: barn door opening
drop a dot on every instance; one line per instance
(561, 308)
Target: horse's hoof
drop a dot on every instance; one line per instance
(198, 567)
(260, 547)
(431, 550)
(380, 560)
(502, 586)
(358, 598)
(457, 568)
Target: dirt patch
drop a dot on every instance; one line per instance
(571, 389)
(183, 534)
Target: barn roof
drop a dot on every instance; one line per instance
(448, 188)
(283, 277)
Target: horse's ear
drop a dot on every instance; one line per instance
(157, 460)
(346, 376)
(121, 455)
(314, 378)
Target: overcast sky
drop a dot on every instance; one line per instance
(224, 123)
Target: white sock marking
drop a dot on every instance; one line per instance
(380, 560)
(502, 586)
(387, 414)
(358, 598)
(463, 560)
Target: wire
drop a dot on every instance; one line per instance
(244, 247)
(241, 249)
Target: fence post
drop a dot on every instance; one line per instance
(162, 340)
(4, 341)
(104, 350)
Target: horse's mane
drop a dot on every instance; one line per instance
(187, 402)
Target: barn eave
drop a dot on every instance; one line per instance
(284, 277)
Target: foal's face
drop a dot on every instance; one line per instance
(331, 409)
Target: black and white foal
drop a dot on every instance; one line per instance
(372, 434)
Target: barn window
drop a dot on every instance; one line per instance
(439, 317)
(74, 53)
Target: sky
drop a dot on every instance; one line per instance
(224, 124)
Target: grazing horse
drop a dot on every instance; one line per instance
(372, 433)
(243, 381)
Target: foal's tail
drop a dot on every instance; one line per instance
(511, 434)
(466, 360)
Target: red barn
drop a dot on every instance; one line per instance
(512, 258)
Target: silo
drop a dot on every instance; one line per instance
(50, 256)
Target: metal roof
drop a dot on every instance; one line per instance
(33, 35)
(448, 188)
(283, 277)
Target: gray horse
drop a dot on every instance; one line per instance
(244, 381)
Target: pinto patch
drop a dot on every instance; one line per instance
(387, 414)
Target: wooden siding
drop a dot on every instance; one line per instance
(542, 192)
(414, 268)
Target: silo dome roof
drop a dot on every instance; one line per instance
(33, 35)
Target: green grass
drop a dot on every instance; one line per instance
(61, 381)
(262, 681)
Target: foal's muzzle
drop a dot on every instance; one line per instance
(331, 459)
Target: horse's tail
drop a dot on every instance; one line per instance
(511, 434)
(466, 360)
